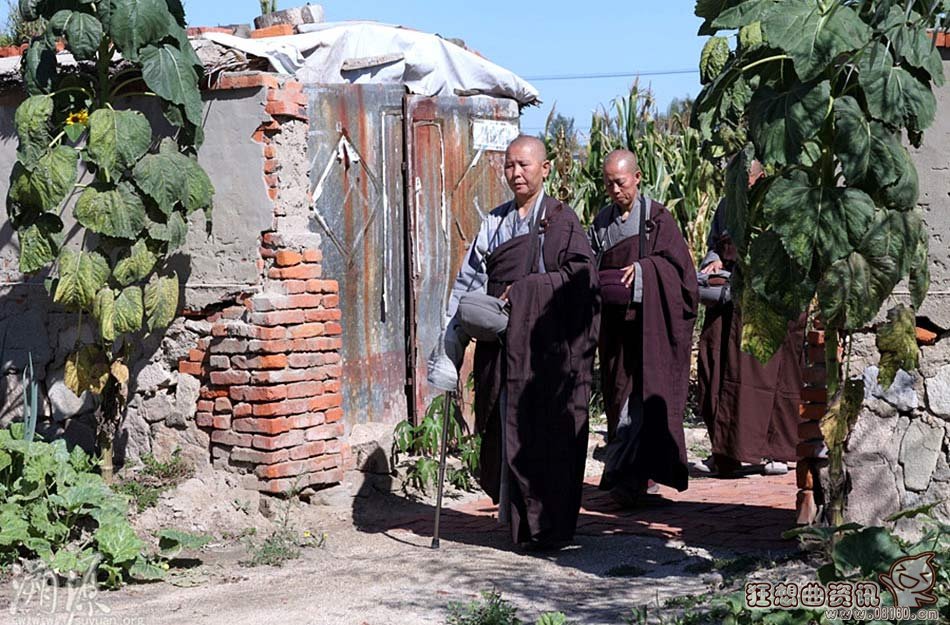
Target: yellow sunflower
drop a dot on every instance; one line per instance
(79, 117)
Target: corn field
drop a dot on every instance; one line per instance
(668, 150)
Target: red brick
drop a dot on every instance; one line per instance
(196, 355)
(233, 312)
(333, 371)
(313, 256)
(926, 337)
(266, 303)
(332, 386)
(219, 362)
(197, 31)
(804, 476)
(261, 426)
(221, 422)
(205, 405)
(807, 449)
(293, 287)
(814, 375)
(267, 253)
(334, 328)
(814, 395)
(191, 368)
(332, 358)
(304, 389)
(270, 151)
(331, 301)
(243, 410)
(325, 431)
(808, 430)
(307, 330)
(816, 337)
(271, 165)
(334, 446)
(287, 108)
(277, 30)
(212, 393)
(273, 193)
(204, 419)
(288, 258)
(240, 454)
(226, 437)
(323, 315)
(203, 343)
(306, 360)
(269, 361)
(281, 408)
(300, 272)
(229, 377)
(812, 412)
(281, 441)
(277, 318)
(246, 80)
(323, 286)
(222, 404)
(229, 346)
(258, 393)
(294, 467)
(272, 180)
(308, 450)
(279, 346)
(324, 402)
(285, 376)
(816, 355)
(333, 415)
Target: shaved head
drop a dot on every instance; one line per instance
(534, 145)
(625, 160)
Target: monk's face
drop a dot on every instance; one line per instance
(622, 182)
(526, 168)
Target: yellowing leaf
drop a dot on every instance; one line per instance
(120, 372)
(86, 370)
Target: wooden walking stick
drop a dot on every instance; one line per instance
(448, 404)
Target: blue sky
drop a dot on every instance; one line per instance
(534, 38)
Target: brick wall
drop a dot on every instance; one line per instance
(812, 453)
(270, 365)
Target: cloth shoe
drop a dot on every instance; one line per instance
(774, 468)
(441, 373)
(707, 466)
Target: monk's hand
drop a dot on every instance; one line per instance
(504, 296)
(629, 273)
(712, 267)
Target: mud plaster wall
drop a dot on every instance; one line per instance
(215, 268)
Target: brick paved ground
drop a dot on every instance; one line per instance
(748, 513)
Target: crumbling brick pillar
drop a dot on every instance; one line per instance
(812, 452)
(270, 363)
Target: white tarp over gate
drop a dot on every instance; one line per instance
(370, 52)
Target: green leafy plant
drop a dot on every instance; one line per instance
(130, 189)
(822, 93)
(18, 30)
(56, 509)
(268, 6)
(492, 609)
(285, 542)
(424, 440)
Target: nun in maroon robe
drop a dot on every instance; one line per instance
(649, 300)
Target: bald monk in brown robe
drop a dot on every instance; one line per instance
(532, 386)
(649, 299)
(750, 408)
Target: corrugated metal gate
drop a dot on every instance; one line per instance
(399, 185)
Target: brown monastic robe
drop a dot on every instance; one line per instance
(750, 408)
(544, 365)
(644, 357)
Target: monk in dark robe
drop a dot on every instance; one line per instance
(649, 299)
(532, 384)
(750, 408)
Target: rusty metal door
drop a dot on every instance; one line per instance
(455, 158)
(356, 144)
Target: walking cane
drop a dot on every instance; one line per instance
(448, 404)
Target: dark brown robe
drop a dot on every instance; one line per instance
(644, 357)
(545, 365)
(750, 408)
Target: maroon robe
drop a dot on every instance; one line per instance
(545, 365)
(645, 354)
(750, 408)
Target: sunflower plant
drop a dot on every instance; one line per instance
(84, 148)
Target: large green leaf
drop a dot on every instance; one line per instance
(197, 183)
(129, 310)
(173, 232)
(161, 301)
(81, 275)
(910, 37)
(814, 33)
(117, 139)
(135, 24)
(117, 212)
(146, 571)
(39, 243)
(50, 180)
(742, 13)
(777, 279)
(32, 128)
(83, 32)
(853, 289)
(894, 95)
(39, 67)
(13, 529)
(118, 540)
(138, 264)
(871, 550)
(852, 139)
(919, 277)
(104, 311)
(896, 341)
(30, 9)
(891, 172)
(816, 221)
(763, 328)
(172, 542)
(170, 74)
(161, 177)
(737, 198)
(781, 122)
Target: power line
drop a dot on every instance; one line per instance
(669, 72)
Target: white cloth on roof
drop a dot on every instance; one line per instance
(424, 63)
